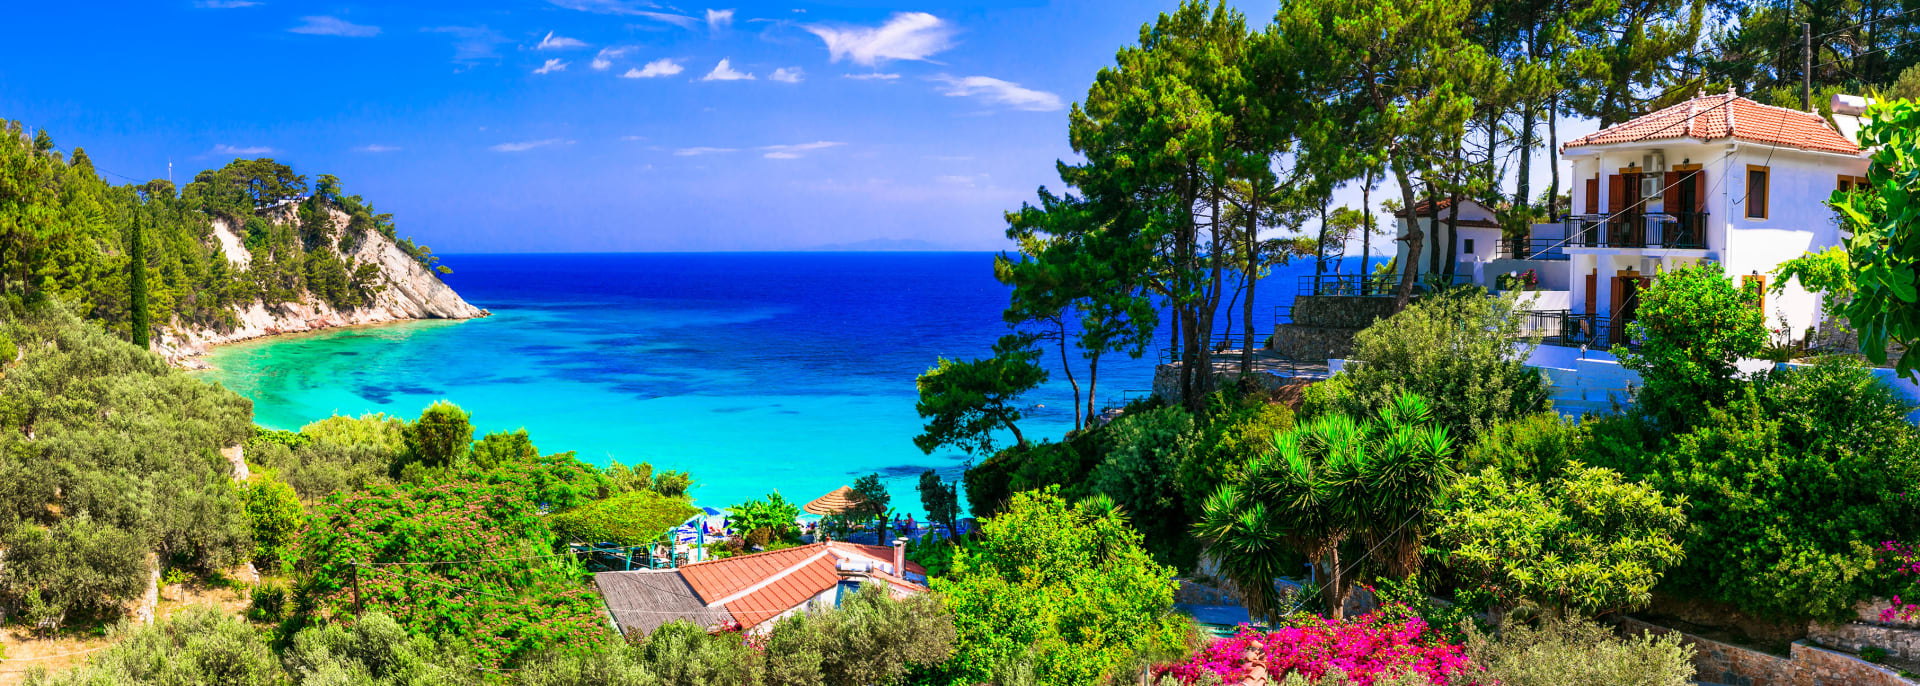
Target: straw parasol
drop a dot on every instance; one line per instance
(837, 502)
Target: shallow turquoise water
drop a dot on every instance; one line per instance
(755, 372)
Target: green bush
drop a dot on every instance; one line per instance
(1456, 349)
(1144, 454)
(197, 645)
(626, 519)
(1584, 540)
(277, 518)
(375, 651)
(1693, 325)
(440, 438)
(1236, 434)
(1530, 447)
(1789, 485)
(268, 602)
(1073, 592)
(101, 441)
(1068, 464)
(502, 447)
(775, 516)
(1579, 653)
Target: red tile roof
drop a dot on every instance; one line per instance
(1714, 117)
(791, 577)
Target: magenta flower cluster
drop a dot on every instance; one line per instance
(1906, 561)
(1372, 646)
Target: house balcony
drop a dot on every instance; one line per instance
(1654, 232)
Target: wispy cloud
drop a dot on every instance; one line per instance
(224, 149)
(719, 19)
(523, 146)
(788, 75)
(693, 152)
(605, 58)
(875, 76)
(630, 8)
(905, 36)
(376, 147)
(725, 72)
(998, 92)
(551, 66)
(333, 26)
(680, 20)
(791, 152)
(656, 68)
(633, 138)
(471, 43)
(553, 42)
(223, 4)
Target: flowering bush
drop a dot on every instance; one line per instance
(1905, 559)
(1371, 647)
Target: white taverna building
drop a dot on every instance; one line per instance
(1717, 178)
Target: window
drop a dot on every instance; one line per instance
(1756, 192)
(1469, 249)
(1848, 183)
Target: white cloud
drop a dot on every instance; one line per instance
(605, 58)
(680, 20)
(725, 72)
(691, 152)
(788, 75)
(223, 4)
(952, 180)
(224, 149)
(331, 26)
(376, 147)
(659, 67)
(1000, 92)
(523, 146)
(472, 43)
(630, 8)
(790, 152)
(553, 42)
(876, 76)
(719, 19)
(633, 138)
(551, 66)
(905, 36)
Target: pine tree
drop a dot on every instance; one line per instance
(137, 256)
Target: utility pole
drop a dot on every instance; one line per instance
(1806, 66)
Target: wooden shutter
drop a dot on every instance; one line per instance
(1670, 193)
(1750, 281)
(1592, 284)
(1616, 193)
(1593, 195)
(1699, 193)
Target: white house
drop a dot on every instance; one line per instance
(1719, 178)
(1476, 235)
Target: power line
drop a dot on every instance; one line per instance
(1864, 23)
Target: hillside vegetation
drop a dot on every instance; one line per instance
(66, 232)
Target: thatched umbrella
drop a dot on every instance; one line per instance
(839, 501)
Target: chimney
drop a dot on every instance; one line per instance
(900, 557)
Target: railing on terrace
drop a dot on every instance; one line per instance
(1676, 231)
(1570, 329)
(1531, 249)
(1367, 284)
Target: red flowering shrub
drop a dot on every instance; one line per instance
(506, 597)
(1372, 646)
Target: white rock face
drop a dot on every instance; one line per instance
(230, 244)
(412, 292)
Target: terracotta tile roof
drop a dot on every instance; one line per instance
(1714, 117)
(1420, 208)
(717, 579)
(786, 592)
(790, 577)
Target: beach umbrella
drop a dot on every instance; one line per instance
(840, 500)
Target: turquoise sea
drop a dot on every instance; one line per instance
(754, 371)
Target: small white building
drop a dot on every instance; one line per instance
(1717, 178)
(1476, 231)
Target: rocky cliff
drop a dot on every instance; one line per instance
(410, 291)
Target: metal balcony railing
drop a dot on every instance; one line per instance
(1367, 284)
(1676, 231)
(1531, 249)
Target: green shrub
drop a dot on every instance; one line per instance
(196, 645)
(440, 438)
(1789, 485)
(1144, 454)
(626, 519)
(1583, 540)
(502, 447)
(375, 651)
(1456, 349)
(1236, 434)
(1693, 325)
(268, 602)
(1579, 653)
(1073, 592)
(277, 518)
(76, 566)
(1068, 464)
(771, 519)
(1531, 447)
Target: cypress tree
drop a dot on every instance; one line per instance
(137, 255)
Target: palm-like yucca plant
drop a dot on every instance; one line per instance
(1321, 482)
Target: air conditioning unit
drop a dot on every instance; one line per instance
(1650, 186)
(1652, 165)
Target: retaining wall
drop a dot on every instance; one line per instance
(1808, 665)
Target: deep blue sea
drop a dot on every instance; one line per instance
(754, 371)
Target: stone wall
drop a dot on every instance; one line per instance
(1341, 311)
(1852, 636)
(1312, 343)
(1166, 382)
(1808, 665)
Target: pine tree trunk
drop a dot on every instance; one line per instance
(1253, 279)
(137, 255)
(1067, 366)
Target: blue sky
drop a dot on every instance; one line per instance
(592, 125)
